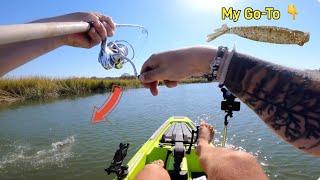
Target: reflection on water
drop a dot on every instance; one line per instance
(56, 140)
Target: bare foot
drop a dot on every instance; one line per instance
(158, 162)
(206, 132)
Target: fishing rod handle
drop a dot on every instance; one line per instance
(24, 32)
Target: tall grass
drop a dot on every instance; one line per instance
(43, 88)
(33, 88)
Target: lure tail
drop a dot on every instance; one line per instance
(218, 32)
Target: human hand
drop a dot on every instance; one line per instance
(103, 27)
(174, 66)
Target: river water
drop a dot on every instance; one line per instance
(55, 140)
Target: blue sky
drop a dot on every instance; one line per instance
(171, 24)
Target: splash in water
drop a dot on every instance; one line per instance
(56, 155)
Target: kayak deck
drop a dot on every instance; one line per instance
(169, 143)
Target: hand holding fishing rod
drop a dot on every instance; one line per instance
(78, 30)
(98, 27)
(73, 29)
(42, 36)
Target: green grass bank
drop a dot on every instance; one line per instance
(35, 88)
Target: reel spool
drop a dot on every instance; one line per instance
(115, 53)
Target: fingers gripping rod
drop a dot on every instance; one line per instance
(112, 55)
(24, 32)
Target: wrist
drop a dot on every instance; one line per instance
(216, 64)
(203, 58)
(223, 70)
(57, 41)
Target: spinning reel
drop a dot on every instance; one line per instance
(115, 53)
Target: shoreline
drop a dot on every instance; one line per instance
(13, 90)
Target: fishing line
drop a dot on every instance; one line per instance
(133, 66)
(224, 136)
(144, 30)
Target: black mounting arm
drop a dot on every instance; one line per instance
(229, 104)
(194, 138)
(116, 165)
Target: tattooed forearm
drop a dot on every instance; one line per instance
(287, 100)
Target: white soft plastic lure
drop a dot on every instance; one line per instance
(271, 34)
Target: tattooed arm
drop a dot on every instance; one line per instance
(287, 100)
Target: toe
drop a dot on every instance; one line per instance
(158, 162)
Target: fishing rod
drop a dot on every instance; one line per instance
(112, 55)
(24, 32)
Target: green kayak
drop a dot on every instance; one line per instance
(174, 143)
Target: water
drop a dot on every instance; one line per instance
(55, 140)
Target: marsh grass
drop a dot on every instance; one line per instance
(35, 88)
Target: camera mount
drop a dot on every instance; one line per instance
(228, 105)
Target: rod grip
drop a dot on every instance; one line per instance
(24, 32)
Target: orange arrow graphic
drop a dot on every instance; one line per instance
(99, 114)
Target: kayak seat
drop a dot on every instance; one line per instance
(179, 150)
(179, 132)
(180, 135)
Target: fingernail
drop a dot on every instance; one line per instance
(141, 77)
(91, 23)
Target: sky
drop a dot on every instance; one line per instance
(171, 24)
